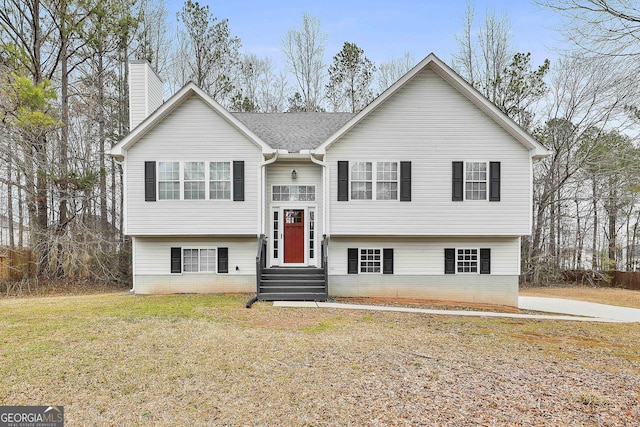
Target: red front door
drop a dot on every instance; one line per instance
(294, 236)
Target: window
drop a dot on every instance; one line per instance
(361, 181)
(293, 193)
(370, 261)
(276, 225)
(467, 261)
(475, 181)
(168, 180)
(220, 181)
(387, 181)
(199, 260)
(312, 226)
(194, 184)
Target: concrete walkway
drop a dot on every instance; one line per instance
(567, 309)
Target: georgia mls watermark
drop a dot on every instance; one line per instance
(31, 416)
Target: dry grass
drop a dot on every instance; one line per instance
(206, 360)
(613, 296)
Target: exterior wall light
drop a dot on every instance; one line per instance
(294, 174)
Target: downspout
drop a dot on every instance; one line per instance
(325, 191)
(133, 239)
(262, 176)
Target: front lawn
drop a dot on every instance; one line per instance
(203, 360)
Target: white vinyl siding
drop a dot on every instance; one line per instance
(431, 124)
(193, 132)
(308, 175)
(152, 261)
(425, 255)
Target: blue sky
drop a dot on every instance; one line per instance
(384, 29)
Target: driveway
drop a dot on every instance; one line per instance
(579, 308)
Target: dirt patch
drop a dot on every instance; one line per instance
(428, 304)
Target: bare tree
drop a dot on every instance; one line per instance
(482, 58)
(304, 49)
(603, 27)
(390, 71)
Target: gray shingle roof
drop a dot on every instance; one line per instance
(294, 131)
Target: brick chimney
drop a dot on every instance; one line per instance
(145, 92)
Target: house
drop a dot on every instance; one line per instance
(423, 194)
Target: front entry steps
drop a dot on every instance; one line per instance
(292, 284)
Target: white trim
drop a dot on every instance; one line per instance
(486, 181)
(280, 209)
(360, 260)
(198, 248)
(133, 264)
(182, 181)
(477, 261)
(374, 180)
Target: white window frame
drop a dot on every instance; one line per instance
(375, 167)
(160, 181)
(182, 180)
(210, 181)
(380, 170)
(361, 181)
(203, 181)
(476, 261)
(477, 181)
(289, 199)
(379, 261)
(199, 249)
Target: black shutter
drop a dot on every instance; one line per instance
(457, 181)
(405, 181)
(485, 261)
(353, 261)
(149, 181)
(387, 261)
(494, 181)
(343, 181)
(449, 261)
(238, 181)
(176, 260)
(223, 260)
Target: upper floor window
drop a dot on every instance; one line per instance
(168, 180)
(475, 181)
(220, 180)
(387, 181)
(362, 181)
(194, 184)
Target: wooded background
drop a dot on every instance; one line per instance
(64, 96)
